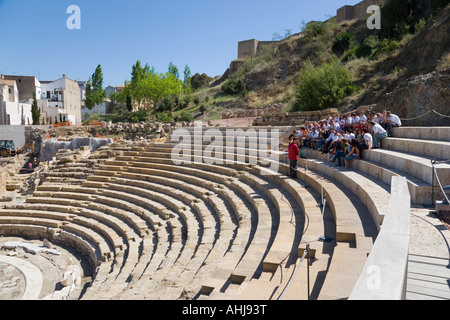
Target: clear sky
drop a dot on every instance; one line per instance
(202, 34)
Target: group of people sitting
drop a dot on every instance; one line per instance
(342, 137)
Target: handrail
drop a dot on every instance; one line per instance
(308, 246)
(433, 164)
(384, 274)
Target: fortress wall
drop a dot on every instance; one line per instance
(247, 48)
(252, 47)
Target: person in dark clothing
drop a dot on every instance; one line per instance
(294, 152)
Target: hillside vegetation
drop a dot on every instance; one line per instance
(329, 64)
(339, 65)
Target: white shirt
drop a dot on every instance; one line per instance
(377, 129)
(363, 118)
(350, 137)
(349, 120)
(337, 126)
(369, 140)
(395, 119)
(332, 137)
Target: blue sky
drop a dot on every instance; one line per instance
(202, 34)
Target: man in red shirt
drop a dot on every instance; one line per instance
(294, 151)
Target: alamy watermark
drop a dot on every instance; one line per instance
(374, 21)
(236, 147)
(74, 20)
(374, 279)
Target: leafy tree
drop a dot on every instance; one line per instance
(316, 29)
(234, 85)
(187, 76)
(129, 103)
(94, 89)
(199, 81)
(185, 116)
(173, 70)
(322, 87)
(35, 111)
(149, 87)
(138, 75)
(402, 16)
(342, 43)
(89, 100)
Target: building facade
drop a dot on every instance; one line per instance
(60, 101)
(13, 111)
(26, 86)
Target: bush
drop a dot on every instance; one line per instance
(363, 51)
(168, 104)
(401, 16)
(321, 87)
(199, 81)
(420, 25)
(386, 46)
(139, 116)
(315, 29)
(185, 116)
(164, 117)
(234, 85)
(358, 51)
(342, 43)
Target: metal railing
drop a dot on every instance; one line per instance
(308, 249)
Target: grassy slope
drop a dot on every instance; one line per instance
(271, 76)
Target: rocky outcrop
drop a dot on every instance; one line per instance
(421, 100)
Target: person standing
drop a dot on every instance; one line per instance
(294, 152)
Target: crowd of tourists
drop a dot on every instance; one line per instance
(342, 137)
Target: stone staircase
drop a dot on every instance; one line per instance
(152, 229)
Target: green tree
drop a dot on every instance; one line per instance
(173, 70)
(94, 89)
(322, 87)
(187, 76)
(89, 100)
(342, 43)
(149, 87)
(35, 111)
(199, 81)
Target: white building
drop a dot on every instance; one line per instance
(27, 85)
(60, 101)
(12, 110)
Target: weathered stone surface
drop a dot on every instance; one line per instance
(418, 96)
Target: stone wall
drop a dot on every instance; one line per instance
(357, 11)
(293, 118)
(247, 48)
(252, 47)
(266, 111)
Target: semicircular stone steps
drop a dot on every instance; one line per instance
(157, 230)
(237, 275)
(244, 215)
(165, 160)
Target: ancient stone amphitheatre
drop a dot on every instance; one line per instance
(124, 222)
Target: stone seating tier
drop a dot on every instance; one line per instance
(153, 229)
